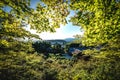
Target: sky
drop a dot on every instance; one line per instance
(67, 31)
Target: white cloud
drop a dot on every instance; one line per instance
(59, 34)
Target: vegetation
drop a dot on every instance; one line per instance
(22, 60)
(46, 47)
(99, 19)
(19, 14)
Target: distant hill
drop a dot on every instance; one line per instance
(62, 40)
(69, 39)
(56, 40)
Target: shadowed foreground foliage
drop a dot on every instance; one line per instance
(22, 66)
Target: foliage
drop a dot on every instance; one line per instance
(22, 66)
(17, 46)
(47, 48)
(57, 48)
(78, 39)
(91, 70)
(36, 66)
(92, 52)
(12, 18)
(15, 15)
(100, 22)
(49, 15)
(99, 19)
(41, 46)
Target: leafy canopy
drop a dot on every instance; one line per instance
(100, 20)
(16, 14)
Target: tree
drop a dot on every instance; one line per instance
(17, 14)
(57, 48)
(100, 21)
(49, 15)
(41, 47)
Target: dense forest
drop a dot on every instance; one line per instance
(22, 59)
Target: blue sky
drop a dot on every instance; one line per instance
(63, 32)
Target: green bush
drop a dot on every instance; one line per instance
(22, 66)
